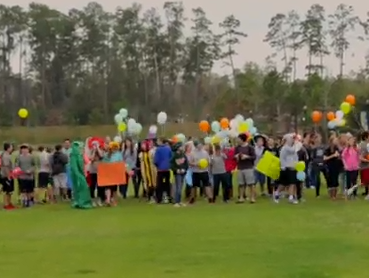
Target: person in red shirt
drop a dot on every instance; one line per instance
(230, 165)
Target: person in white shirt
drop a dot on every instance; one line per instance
(44, 192)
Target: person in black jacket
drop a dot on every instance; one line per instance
(137, 177)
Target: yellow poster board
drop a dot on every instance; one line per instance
(269, 165)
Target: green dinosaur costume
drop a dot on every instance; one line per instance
(81, 192)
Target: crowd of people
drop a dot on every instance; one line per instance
(180, 173)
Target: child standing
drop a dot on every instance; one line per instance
(350, 159)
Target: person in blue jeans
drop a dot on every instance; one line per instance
(179, 166)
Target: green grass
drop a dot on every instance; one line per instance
(315, 239)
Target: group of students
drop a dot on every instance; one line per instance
(162, 169)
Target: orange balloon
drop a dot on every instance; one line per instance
(316, 116)
(330, 116)
(351, 99)
(204, 126)
(175, 139)
(224, 123)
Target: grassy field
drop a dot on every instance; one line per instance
(55, 134)
(315, 239)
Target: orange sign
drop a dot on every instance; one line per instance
(111, 173)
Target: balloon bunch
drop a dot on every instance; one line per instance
(337, 119)
(225, 129)
(300, 168)
(125, 124)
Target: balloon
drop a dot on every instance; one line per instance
(233, 124)
(233, 133)
(175, 139)
(153, 129)
(253, 130)
(162, 118)
(239, 118)
(339, 115)
(122, 127)
(117, 139)
(301, 176)
(123, 112)
(131, 125)
(341, 122)
(345, 107)
(300, 166)
(350, 99)
(316, 116)
(138, 128)
(250, 122)
(243, 127)
(207, 140)
(23, 113)
(224, 123)
(203, 163)
(367, 147)
(215, 126)
(215, 140)
(222, 134)
(332, 124)
(204, 126)
(181, 137)
(330, 116)
(118, 118)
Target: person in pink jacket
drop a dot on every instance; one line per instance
(351, 163)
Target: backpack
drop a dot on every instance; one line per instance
(58, 165)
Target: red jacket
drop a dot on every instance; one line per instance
(230, 162)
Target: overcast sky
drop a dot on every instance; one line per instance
(254, 17)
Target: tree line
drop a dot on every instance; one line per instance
(80, 67)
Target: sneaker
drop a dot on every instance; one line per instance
(367, 198)
(252, 201)
(177, 205)
(183, 204)
(276, 200)
(240, 201)
(94, 204)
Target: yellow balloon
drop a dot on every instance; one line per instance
(345, 107)
(215, 140)
(300, 166)
(122, 127)
(23, 113)
(203, 163)
(342, 122)
(243, 127)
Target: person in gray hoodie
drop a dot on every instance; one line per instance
(288, 159)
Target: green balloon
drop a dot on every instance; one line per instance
(345, 107)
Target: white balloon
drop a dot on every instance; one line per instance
(138, 128)
(239, 118)
(118, 119)
(207, 140)
(233, 133)
(117, 139)
(131, 122)
(123, 112)
(162, 118)
(332, 124)
(181, 137)
(233, 124)
(153, 129)
(339, 115)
